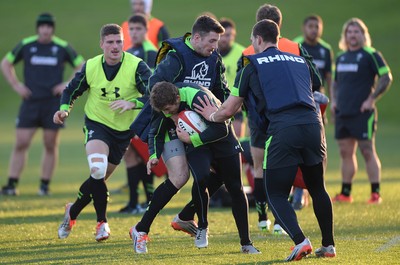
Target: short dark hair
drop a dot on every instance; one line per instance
(138, 18)
(267, 29)
(227, 23)
(312, 17)
(109, 29)
(269, 12)
(163, 94)
(206, 24)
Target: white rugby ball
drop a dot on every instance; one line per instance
(191, 122)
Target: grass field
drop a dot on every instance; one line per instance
(364, 234)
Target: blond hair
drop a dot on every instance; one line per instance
(354, 22)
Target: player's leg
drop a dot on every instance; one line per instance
(148, 186)
(347, 148)
(281, 161)
(135, 168)
(18, 159)
(178, 175)
(278, 183)
(313, 169)
(367, 121)
(49, 159)
(93, 188)
(322, 205)
(229, 168)
(257, 142)
(199, 162)
(50, 141)
(213, 184)
(184, 220)
(373, 168)
(27, 124)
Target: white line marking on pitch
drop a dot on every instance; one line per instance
(394, 241)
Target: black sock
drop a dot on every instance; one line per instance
(162, 195)
(148, 185)
(100, 197)
(44, 184)
(346, 189)
(134, 175)
(375, 187)
(12, 182)
(187, 212)
(297, 239)
(260, 199)
(83, 199)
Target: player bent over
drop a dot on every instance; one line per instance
(215, 147)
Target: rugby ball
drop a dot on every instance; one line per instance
(191, 122)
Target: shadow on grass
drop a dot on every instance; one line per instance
(66, 253)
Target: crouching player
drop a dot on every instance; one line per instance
(216, 147)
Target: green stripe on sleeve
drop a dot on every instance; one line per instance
(196, 141)
(383, 70)
(78, 60)
(235, 91)
(267, 143)
(64, 107)
(139, 104)
(10, 57)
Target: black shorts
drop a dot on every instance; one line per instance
(38, 113)
(117, 141)
(361, 127)
(257, 138)
(295, 145)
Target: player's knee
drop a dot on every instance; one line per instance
(98, 165)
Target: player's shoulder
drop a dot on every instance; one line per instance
(369, 50)
(299, 39)
(29, 40)
(60, 42)
(325, 44)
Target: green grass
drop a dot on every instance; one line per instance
(29, 223)
(364, 234)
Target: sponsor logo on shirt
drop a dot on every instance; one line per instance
(280, 57)
(359, 56)
(54, 50)
(322, 52)
(44, 60)
(347, 67)
(319, 63)
(199, 73)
